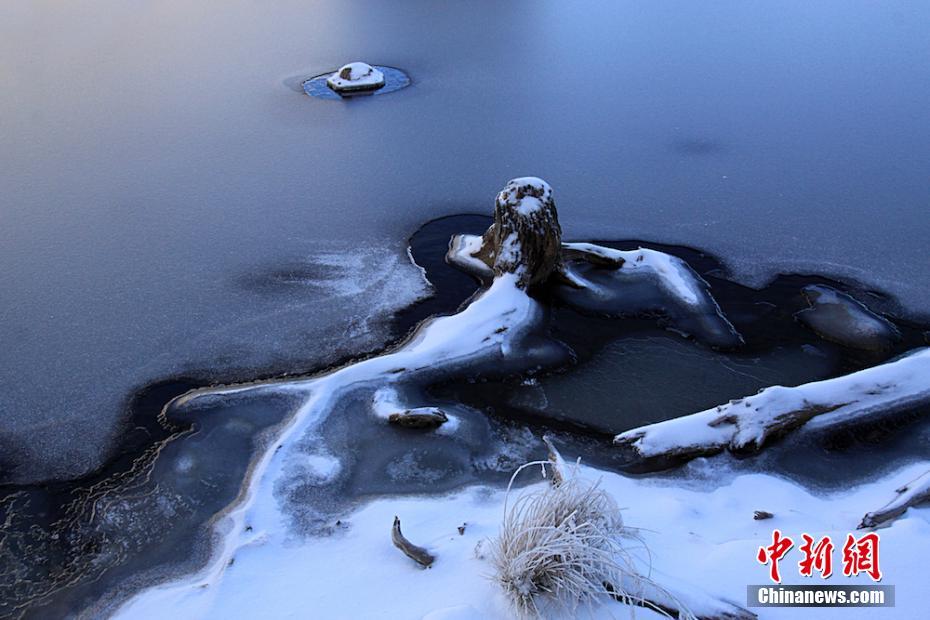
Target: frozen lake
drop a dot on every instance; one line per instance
(173, 205)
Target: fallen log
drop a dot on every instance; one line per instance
(418, 554)
(745, 425)
(915, 492)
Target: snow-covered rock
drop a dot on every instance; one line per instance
(838, 317)
(355, 77)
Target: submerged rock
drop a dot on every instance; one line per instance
(525, 238)
(837, 317)
(356, 77)
(421, 417)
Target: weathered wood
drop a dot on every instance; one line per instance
(915, 492)
(745, 425)
(668, 602)
(557, 471)
(418, 554)
(525, 238)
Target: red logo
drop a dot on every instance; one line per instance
(816, 557)
(859, 556)
(774, 552)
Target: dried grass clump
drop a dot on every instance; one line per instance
(563, 546)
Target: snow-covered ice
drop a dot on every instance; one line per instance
(702, 537)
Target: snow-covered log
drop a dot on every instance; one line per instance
(746, 424)
(676, 599)
(915, 492)
(419, 417)
(618, 283)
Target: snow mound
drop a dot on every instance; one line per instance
(615, 282)
(356, 76)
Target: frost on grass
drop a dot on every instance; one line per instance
(563, 546)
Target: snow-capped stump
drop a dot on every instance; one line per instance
(355, 77)
(525, 238)
(914, 493)
(746, 424)
(838, 317)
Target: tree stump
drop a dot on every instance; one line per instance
(525, 238)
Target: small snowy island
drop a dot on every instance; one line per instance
(355, 77)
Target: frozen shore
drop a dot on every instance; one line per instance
(706, 537)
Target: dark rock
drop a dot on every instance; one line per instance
(420, 417)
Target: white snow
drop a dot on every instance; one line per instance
(356, 76)
(488, 328)
(462, 249)
(699, 542)
(528, 204)
(745, 422)
(673, 274)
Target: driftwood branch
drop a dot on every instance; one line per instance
(556, 463)
(915, 492)
(745, 425)
(418, 554)
(678, 601)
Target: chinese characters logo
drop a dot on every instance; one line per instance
(859, 555)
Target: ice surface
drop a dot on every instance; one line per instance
(627, 384)
(150, 159)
